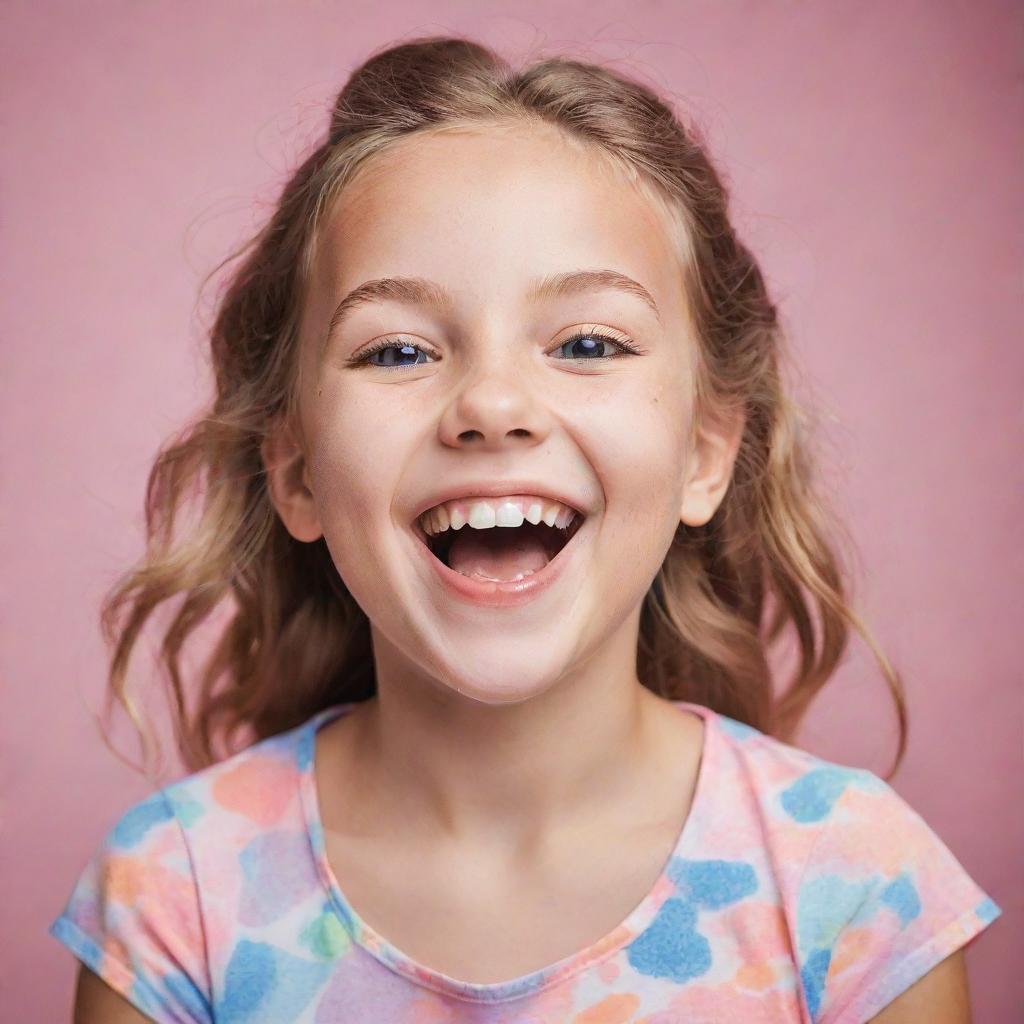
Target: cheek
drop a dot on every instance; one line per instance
(353, 487)
(639, 459)
(355, 461)
(642, 449)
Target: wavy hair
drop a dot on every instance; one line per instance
(290, 638)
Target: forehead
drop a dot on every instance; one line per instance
(492, 209)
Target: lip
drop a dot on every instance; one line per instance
(510, 594)
(497, 489)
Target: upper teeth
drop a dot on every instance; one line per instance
(484, 513)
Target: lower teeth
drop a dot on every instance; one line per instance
(492, 579)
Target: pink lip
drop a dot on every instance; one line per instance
(510, 594)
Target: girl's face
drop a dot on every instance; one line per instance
(496, 390)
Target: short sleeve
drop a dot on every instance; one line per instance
(882, 900)
(133, 916)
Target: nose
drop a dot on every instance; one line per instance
(495, 407)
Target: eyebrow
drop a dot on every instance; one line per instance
(420, 291)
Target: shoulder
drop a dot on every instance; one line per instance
(243, 794)
(882, 900)
(142, 910)
(844, 813)
(793, 793)
(133, 916)
(251, 788)
(876, 898)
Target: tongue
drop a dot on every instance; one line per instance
(497, 554)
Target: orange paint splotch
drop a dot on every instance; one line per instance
(260, 789)
(115, 950)
(163, 898)
(852, 946)
(755, 976)
(125, 878)
(726, 1002)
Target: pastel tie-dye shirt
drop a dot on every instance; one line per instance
(798, 890)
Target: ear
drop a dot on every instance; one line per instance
(288, 483)
(709, 467)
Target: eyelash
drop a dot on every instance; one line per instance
(628, 348)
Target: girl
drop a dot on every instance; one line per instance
(508, 503)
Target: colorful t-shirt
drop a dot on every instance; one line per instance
(798, 890)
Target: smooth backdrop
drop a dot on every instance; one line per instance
(874, 151)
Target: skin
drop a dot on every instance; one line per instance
(474, 704)
(461, 760)
(462, 757)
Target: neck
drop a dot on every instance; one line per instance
(444, 769)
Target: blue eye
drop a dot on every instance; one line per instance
(594, 341)
(390, 346)
(586, 353)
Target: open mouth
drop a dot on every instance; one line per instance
(501, 539)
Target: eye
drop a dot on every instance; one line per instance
(400, 355)
(594, 340)
(386, 344)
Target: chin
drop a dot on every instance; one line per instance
(496, 689)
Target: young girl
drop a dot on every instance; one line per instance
(508, 504)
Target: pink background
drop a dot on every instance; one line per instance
(875, 152)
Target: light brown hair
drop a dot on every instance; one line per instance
(293, 640)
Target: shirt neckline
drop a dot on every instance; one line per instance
(364, 936)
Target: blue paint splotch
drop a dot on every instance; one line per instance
(738, 730)
(901, 895)
(249, 979)
(713, 884)
(671, 947)
(264, 983)
(187, 809)
(811, 797)
(186, 993)
(138, 820)
(813, 975)
(826, 905)
(988, 910)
